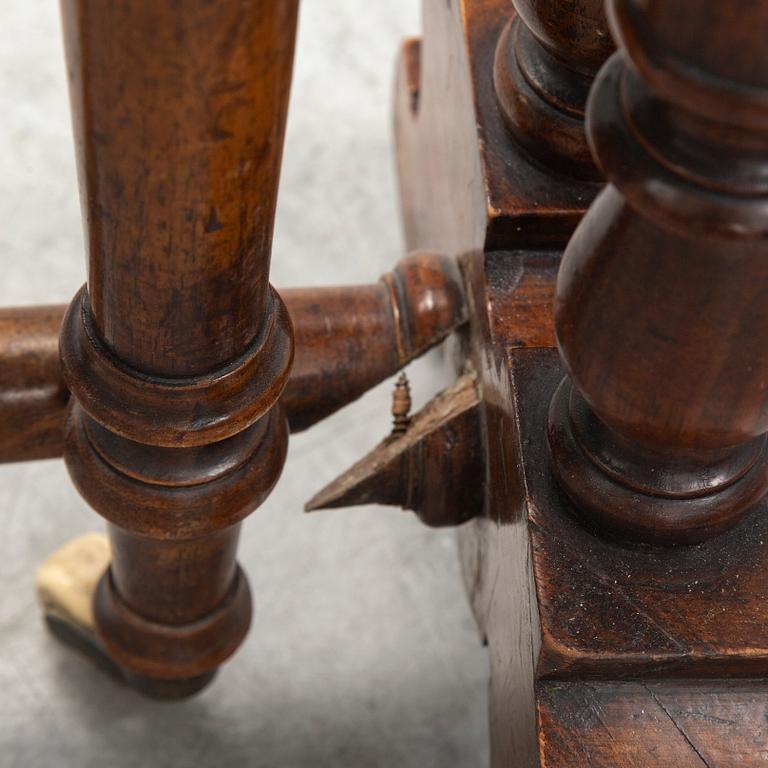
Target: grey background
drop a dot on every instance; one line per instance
(363, 652)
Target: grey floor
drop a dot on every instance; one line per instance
(363, 652)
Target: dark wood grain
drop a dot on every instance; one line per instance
(603, 725)
(601, 653)
(179, 156)
(468, 188)
(466, 183)
(546, 60)
(609, 610)
(347, 340)
(177, 351)
(432, 465)
(558, 601)
(606, 649)
(665, 284)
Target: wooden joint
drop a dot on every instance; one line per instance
(349, 339)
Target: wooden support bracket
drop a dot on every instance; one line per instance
(434, 467)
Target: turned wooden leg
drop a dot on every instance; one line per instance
(603, 652)
(177, 350)
(546, 59)
(659, 433)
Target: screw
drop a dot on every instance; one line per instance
(401, 405)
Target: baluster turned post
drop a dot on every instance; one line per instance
(178, 349)
(659, 432)
(546, 60)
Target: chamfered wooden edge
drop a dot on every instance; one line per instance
(434, 467)
(491, 193)
(609, 609)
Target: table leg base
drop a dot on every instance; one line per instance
(66, 583)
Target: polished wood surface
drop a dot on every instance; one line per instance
(350, 338)
(465, 182)
(567, 609)
(546, 59)
(179, 141)
(605, 441)
(33, 396)
(665, 284)
(607, 610)
(347, 340)
(177, 351)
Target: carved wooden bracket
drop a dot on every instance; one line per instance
(434, 468)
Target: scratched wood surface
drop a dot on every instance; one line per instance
(564, 612)
(467, 188)
(611, 609)
(465, 183)
(177, 350)
(637, 725)
(381, 676)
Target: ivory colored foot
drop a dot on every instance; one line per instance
(67, 580)
(66, 583)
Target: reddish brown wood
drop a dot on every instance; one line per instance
(179, 155)
(557, 602)
(348, 339)
(636, 725)
(603, 652)
(565, 611)
(546, 60)
(465, 182)
(665, 283)
(177, 352)
(33, 397)
(606, 610)
(432, 466)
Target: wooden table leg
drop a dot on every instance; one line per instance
(660, 432)
(177, 350)
(661, 320)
